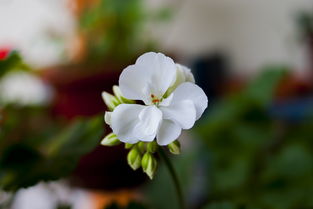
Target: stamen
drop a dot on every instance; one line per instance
(155, 100)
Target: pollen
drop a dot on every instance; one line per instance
(154, 99)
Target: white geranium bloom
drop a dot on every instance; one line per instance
(148, 80)
(24, 89)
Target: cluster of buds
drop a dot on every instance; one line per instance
(141, 154)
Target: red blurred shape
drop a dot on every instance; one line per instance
(4, 52)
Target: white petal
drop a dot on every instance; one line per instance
(124, 119)
(190, 91)
(132, 122)
(168, 132)
(182, 112)
(153, 73)
(164, 73)
(133, 80)
(148, 124)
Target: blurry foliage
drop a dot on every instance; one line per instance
(161, 194)
(257, 161)
(12, 62)
(220, 205)
(63, 206)
(34, 146)
(34, 149)
(114, 29)
(305, 23)
(246, 158)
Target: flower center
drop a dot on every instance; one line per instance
(155, 100)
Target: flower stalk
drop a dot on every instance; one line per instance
(174, 177)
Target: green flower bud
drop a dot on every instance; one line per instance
(152, 147)
(174, 147)
(110, 140)
(142, 146)
(149, 164)
(128, 146)
(117, 92)
(134, 158)
(110, 100)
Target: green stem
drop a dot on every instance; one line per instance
(174, 177)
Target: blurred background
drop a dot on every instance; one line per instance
(253, 148)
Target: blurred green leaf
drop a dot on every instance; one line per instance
(63, 206)
(163, 14)
(12, 62)
(112, 29)
(304, 20)
(24, 163)
(263, 88)
(116, 30)
(257, 161)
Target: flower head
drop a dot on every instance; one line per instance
(171, 101)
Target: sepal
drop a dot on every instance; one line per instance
(110, 100)
(118, 94)
(174, 147)
(110, 140)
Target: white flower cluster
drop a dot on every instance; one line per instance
(170, 102)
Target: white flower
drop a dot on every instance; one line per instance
(48, 195)
(165, 112)
(24, 89)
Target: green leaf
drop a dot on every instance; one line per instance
(12, 62)
(24, 164)
(263, 88)
(256, 160)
